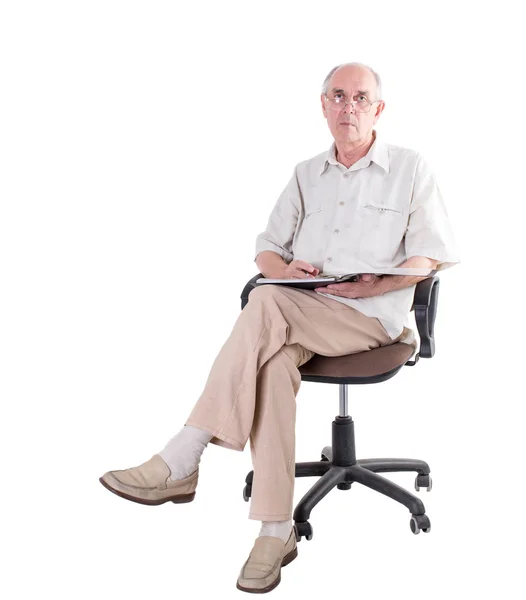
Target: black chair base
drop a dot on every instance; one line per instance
(339, 468)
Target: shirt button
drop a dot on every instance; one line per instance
(329, 259)
(346, 174)
(336, 231)
(341, 203)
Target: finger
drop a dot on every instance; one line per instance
(306, 275)
(301, 264)
(302, 275)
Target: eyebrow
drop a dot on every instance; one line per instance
(339, 90)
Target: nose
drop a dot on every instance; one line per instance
(349, 104)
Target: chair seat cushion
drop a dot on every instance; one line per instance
(371, 366)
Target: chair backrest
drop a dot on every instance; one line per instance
(424, 304)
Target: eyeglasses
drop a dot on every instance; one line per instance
(362, 105)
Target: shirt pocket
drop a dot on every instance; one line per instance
(376, 207)
(314, 219)
(382, 231)
(312, 210)
(310, 238)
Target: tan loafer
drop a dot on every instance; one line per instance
(262, 570)
(149, 483)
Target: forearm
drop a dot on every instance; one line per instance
(271, 264)
(390, 283)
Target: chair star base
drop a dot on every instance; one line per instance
(339, 468)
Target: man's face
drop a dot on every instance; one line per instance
(346, 124)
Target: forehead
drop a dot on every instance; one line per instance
(351, 79)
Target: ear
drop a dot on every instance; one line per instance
(379, 110)
(323, 108)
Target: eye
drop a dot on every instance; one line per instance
(362, 98)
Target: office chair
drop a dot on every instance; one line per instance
(338, 465)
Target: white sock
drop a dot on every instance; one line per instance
(183, 452)
(279, 529)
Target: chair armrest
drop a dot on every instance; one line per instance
(425, 307)
(248, 288)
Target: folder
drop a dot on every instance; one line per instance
(324, 279)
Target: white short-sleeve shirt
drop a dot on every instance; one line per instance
(378, 213)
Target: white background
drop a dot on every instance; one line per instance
(143, 146)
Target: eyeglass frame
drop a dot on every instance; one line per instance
(330, 100)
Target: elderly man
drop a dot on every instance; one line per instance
(362, 205)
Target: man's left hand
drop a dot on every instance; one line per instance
(367, 286)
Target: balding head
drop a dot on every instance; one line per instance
(357, 67)
(351, 103)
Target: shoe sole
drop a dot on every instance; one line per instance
(180, 499)
(286, 560)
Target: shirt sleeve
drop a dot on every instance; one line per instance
(429, 232)
(281, 226)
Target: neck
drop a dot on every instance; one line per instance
(347, 153)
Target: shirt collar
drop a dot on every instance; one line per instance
(378, 153)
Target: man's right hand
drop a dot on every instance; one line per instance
(299, 269)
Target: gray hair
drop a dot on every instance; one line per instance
(355, 64)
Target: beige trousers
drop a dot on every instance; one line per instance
(252, 386)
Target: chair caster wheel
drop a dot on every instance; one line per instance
(247, 492)
(345, 485)
(303, 528)
(326, 454)
(420, 523)
(423, 481)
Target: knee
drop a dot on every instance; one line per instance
(285, 363)
(265, 292)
